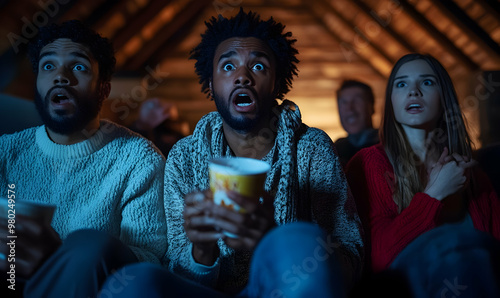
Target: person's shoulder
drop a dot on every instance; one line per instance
(18, 140)
(370, 155)
(127, 141)
(376, 150)
(314, 136)
(185, 145)
(341, 141)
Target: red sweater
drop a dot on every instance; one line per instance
(388, 232)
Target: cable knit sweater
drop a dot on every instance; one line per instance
(112, 182)
(370, 175)
(306, 180)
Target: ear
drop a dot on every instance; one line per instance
(105, 89)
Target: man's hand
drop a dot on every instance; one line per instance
(200, 226)
(35, 243)
(204, 223)
(252, 225)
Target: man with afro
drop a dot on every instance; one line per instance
(246, 66)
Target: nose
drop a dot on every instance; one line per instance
(414, 91)
(243, 77)
(61, 78)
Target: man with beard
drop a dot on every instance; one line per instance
(105, 181)
(246, 64)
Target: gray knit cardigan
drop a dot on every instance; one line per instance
(306, 180)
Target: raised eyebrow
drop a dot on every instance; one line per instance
(76, 54)
(401, 77)
(226, 55)
(46, 54)
(260, 54)
(428, 76)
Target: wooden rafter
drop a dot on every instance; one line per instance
(140, 20)
(369, 12)
(115, 17)
(468, 26)
(368, 52)
(491, 6)
(437, 35)
(155, 47)
(86, 11)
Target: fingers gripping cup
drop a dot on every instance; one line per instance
(245, 176)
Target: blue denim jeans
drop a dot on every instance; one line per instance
(451, 261)
(291, 261)
(80, 266)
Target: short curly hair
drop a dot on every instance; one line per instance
(247, 25)
(100, 47)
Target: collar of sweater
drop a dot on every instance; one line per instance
(210, 143)
(78, 150)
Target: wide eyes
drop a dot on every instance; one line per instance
(228, 67)
(80, 67)
(48, 66)
(76, 67)
(256, 67)
(426, 82)
(401, 84)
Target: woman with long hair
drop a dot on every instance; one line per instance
(423, 202)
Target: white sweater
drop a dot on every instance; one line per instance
(111, 182)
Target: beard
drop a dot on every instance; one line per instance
(86, 110)
(240, 123)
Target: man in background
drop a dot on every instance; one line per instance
(356, 107)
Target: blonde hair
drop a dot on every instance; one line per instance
(451, 131)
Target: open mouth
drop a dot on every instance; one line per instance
(243, 100)
(414, 107)
(60, 98)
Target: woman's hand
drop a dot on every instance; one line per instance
(448, 175)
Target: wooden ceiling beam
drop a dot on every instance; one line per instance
(113, 15)
(187, 10)
(138, 22)
(358, 32)
(370, 12)
(437, 35)
(491, 6)
(468, 26)
(84, 11)
(368, 52)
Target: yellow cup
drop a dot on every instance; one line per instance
(242, 175)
